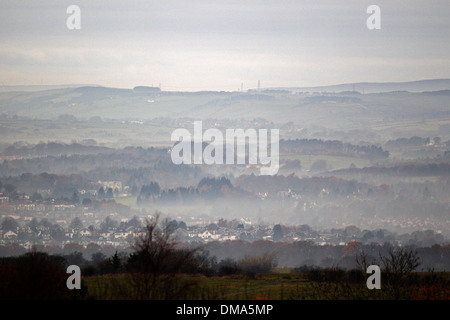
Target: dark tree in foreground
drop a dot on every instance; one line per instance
(397, 271)
(152, 269)
(399, 281)
(33, 276)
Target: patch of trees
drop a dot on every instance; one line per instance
(59, 185)
(249, 265)
(164, 172)
(129, 157)
(207, 189)
(8, 189)
(332, 99)
(332, 147)
(149, 192)
(407, 142)
(64, 185)
(409, 169)
(214, 187)
(309, 186)
(35, 276)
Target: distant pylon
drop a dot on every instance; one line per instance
(259, 85)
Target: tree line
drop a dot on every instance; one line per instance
(332, 147)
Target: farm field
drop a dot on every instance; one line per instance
(279, 285)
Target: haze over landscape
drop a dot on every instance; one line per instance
(86, 118)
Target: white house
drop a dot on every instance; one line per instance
(10, 235)
(209, 236)
(84, 233)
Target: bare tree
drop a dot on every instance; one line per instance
(397, 271)
(397, 266)
(400, 261)
(362, 260)
(152, 269)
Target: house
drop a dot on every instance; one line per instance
(10, 235)
(122, 235)
(228, 237)
(4, 199)
(207, 235)
(106, 235)
(69, 234)
(45, 235)
(84, 233)
(28, 245)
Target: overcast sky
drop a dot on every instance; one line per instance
(217, 45)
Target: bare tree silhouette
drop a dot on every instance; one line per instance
(152, 270)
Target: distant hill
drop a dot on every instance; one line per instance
(397, 106)
(378, 87)
(35, 88)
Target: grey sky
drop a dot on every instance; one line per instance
(217, 45)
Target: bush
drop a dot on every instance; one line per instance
(228, 267)
(199, 263)
(258, 264)
(33, 276)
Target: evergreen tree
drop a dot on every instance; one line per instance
(277, 232)
(115, 262)
(76, 223)
(75, 198)
(109, 194)
(101, 193)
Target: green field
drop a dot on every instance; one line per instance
(240, 287)
(280, 285)
(127, 201)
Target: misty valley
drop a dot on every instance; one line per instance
(84, 170)
(201, 155)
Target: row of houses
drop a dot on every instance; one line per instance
(45, 233)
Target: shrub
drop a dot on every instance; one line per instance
(33, 276)
(258, 264)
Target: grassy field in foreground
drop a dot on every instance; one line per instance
(240, 287)
(273, 286)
